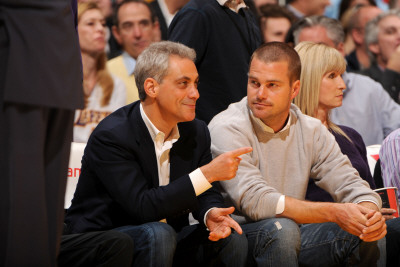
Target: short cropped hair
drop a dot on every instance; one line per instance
(372, 30)
(276, 11)
(124, 2)
(153, 62)
(278, 52)
(316, 60)
(333, 28)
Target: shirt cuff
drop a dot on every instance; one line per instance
(280, 206)
(205, 217)
(199, 182)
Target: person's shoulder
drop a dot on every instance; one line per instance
(120, 121)
(351, 133)
(393, 136)
(192, 126)
(236, 115)
(357, 81)
(114, 61)
(305, 120)
(199, 6)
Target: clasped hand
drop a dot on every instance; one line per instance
(368, 224)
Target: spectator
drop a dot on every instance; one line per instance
(165, 12)
(275, 21)
(135, 28)
(149, 161)
(367, 108)
(40, 88)
(103, 92)
(271, 182)
(347, 4)
(224, 34)
(321, 91)
(383, 41)
(389, 155)
(305, 8)
(358, 59)
(390, 166)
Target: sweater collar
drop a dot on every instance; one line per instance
(265, 127)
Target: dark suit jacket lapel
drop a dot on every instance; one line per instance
(146, 146)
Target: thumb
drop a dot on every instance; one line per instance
(226, 211)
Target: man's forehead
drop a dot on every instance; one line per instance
(390, 21)
(182, 67)
(316, 34)
(268, 70)
(134, 10)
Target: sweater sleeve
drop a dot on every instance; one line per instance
(333, 172)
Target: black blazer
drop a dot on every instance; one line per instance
(118, 184)
(59, 82)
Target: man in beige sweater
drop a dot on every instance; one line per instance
(135, 29)
(269, 188)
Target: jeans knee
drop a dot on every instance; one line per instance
(284, 232)
(162, 233)
(280, 233)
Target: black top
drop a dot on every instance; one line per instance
(224, 42)
(389, 79)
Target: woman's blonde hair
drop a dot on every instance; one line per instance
(103, 76)
(316, 61)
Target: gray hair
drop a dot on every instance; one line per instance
(153, 62)
(333, 28)
(372, 30)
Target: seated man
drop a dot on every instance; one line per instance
(382, 40)
(150, 162)
(270, 185)
(389, 155)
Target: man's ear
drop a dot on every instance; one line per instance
(116, 34)
(151, 87)
(358, 38)
(340, 48)
(295, 89)
(374, 48)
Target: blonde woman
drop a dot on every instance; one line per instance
(321, 91)
(103, 92)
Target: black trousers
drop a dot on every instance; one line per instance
(35, 149)
(110, 248)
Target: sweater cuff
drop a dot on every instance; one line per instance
(280, 206)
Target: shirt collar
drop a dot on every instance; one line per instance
(164, 10)
(241, 5)
(295, 11)
(154, 132)
(129, 62)
(268, 129)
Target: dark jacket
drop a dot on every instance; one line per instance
(119, 182)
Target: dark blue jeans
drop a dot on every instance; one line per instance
(157, 244)
(393, 242)
(282, 242)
